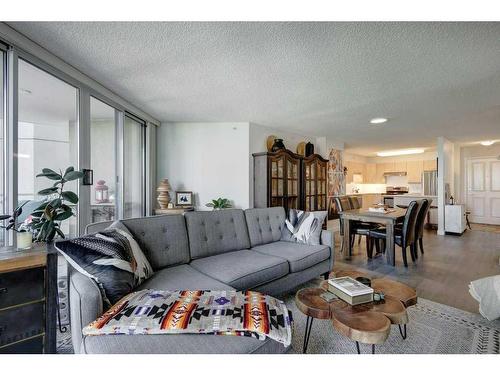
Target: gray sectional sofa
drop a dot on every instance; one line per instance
(219, 250)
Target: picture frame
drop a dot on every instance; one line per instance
(184, 198)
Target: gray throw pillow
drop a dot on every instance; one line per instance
(112, 258)
(303, 226)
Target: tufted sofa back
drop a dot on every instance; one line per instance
(216, 232)
(163, 238)
(265, 224)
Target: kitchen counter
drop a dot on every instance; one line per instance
(418, 196)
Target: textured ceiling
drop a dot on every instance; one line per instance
(324, 79)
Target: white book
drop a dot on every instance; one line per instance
(350, 286)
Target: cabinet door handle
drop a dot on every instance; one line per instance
(3, 290)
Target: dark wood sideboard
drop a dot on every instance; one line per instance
(28, 300)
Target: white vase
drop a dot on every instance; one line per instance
(24, 240)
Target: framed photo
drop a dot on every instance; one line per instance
(183, 198)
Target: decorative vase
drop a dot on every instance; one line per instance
(309, 149)
(278, 145)
(163, 196)
(24, 240)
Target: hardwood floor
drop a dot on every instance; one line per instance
(444, 272)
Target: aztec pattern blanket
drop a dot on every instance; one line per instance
(150, 312)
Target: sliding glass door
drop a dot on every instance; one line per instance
(47, 136)
(51, 120)
(104, 194)
(133, 167)
(2, 138)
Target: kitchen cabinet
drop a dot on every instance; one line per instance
(371, 199)
(414, 171)
(380, 170)
(430, 165)
(370, 176)
(400, 166)
(353, 168)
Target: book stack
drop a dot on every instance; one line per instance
(351, 291)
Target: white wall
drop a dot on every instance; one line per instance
(210, 159)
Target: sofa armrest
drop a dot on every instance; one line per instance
(327, 238)
(85, 303)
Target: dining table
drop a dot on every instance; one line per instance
(388, 218)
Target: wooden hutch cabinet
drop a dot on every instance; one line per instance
(290, 180)
(315, 183)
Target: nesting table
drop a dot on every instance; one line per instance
(368, 323)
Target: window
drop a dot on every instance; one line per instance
(104, 195)
(133, 161)
(47, 135)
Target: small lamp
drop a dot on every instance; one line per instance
(101, 192)
(163, 196)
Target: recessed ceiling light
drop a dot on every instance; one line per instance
(378, 120)
(487, 143)
(25, 91)
(408, 151)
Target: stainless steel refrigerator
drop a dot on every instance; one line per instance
(429, 183)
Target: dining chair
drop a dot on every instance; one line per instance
(403, 235)
(343, 204)
(419, 226)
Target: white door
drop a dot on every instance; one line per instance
(483, 190)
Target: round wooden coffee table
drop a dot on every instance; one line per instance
(368, 323)
(309, 302)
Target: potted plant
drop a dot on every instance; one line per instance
(219, 204)
(47, 218)
(44, 223)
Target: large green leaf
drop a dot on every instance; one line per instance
(70, 196)
(56, 203)
(73, 175)
(63, 215)
(69, 169)
(48, 191)
(4, 217)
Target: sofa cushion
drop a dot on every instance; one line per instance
(242, 269)
(265, 224)
(304, 226)
(162, 238)
(216, 232)
(299, 256)
(112, 258)
(183, 277)
(179, 344)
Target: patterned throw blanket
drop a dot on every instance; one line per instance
(150, 312)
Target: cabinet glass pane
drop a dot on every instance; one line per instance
(274, 187)
(280, 186)
(280, 168)
(47, 137)
(274, 169)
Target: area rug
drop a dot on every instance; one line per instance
(434, 328)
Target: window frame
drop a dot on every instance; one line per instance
(10, 114)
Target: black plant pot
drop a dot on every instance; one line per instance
(277, 145)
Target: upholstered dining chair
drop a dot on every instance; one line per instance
(419, 226)
(403, 235)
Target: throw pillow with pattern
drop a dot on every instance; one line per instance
(112, 258)
(303, 226)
